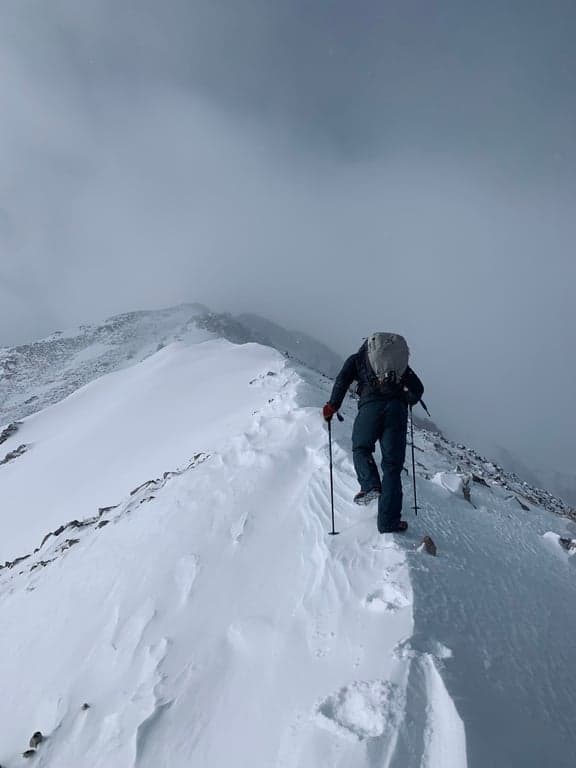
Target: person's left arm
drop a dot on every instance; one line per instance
(413, 387)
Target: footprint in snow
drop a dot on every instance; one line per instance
(254, 635)
(128, 635)
(185, 575)
(238, 528)
(384, 541)
(387, 599)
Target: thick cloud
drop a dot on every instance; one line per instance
(340, 167)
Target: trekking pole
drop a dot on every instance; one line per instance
(413, 462)
(333, 532)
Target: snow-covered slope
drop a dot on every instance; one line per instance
(189, 608)
(34, 376)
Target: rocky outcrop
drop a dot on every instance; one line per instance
(98, 522)
(20, 451)
(10, 430)
(491, 475)
(427, 545)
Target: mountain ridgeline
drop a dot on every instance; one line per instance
(41, 373)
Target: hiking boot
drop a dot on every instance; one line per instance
(400, 528)
(365, 497)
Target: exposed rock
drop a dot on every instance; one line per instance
(428, 546)
(85, 706)
(568, 544)
(36, 739)
(14, 454)
(95, 521)
(144, 485)
(466, 487)
(67, 544)
(491, 474)
(524, 507)
(29, 753)
(10, 430)
(11, 564)
(104, 510)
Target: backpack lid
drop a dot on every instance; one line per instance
(388, 356)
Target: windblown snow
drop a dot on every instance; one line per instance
(171, 596)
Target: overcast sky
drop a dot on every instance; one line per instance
(341, 166)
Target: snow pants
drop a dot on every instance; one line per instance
(384, 421)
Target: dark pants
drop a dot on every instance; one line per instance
(386, 421)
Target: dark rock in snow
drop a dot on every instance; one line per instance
(67, 544)
(11, 564)
(524, 507)
(104, 510)
(144, 485)
(10, 430)
(466, 483)
(29, 753)
(427, 545)
(36, 739)
(14, 454)
(85, 706)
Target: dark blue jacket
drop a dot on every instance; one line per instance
(356, 368)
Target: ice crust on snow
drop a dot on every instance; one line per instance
(454, 482)
(363, 709)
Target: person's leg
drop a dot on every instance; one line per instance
(393, 447)
(364, 436)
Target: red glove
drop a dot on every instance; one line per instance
(328, 411)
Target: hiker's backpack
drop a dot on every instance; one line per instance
(387, 358)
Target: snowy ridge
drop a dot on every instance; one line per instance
(262, 630)
(197, 606)
(35, 376)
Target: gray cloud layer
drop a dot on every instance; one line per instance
(341, 167)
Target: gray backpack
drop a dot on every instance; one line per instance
(387, 355)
